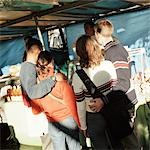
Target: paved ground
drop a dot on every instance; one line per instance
(27, 147)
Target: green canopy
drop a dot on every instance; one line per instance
(17, 17)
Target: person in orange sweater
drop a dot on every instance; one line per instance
(59, 107)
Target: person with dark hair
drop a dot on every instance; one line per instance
(59, 107)
(28, 75)
(89, 28)
(29, 42)
(103, 75)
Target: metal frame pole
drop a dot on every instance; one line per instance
(39, 33)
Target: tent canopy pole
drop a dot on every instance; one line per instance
(39, 33)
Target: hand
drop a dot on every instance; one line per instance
(60, 77)
(96, 104)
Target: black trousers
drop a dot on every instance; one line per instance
(99, 134)
(96, 130)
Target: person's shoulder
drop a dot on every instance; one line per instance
(64, 81)
(27, 67)
(75, 75)
(62, 85)
(106, 62)
(27, 64)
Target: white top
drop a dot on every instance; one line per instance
(103, 76)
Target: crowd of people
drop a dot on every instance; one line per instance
(68, 106)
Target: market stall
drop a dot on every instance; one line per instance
(27, 126)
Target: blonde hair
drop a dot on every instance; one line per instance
(105, 27)
(89, 51)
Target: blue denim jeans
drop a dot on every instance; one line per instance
(64, 134)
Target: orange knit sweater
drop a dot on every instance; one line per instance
(56, 111)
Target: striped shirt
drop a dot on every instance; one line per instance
(118, 55)
(103, 76)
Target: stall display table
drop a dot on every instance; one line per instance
(28, 127)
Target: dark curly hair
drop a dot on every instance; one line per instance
(44, 58)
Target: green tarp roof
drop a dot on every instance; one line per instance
(17, 17)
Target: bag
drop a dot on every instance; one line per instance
(7, 138)
(115, 112)
(117, 116)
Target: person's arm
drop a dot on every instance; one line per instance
(119, 57)
(97, 104)
(28, 78)
(80, 100)
(70, 101)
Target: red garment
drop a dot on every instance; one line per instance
(26, 99)
(54, 110)
(36, 108)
